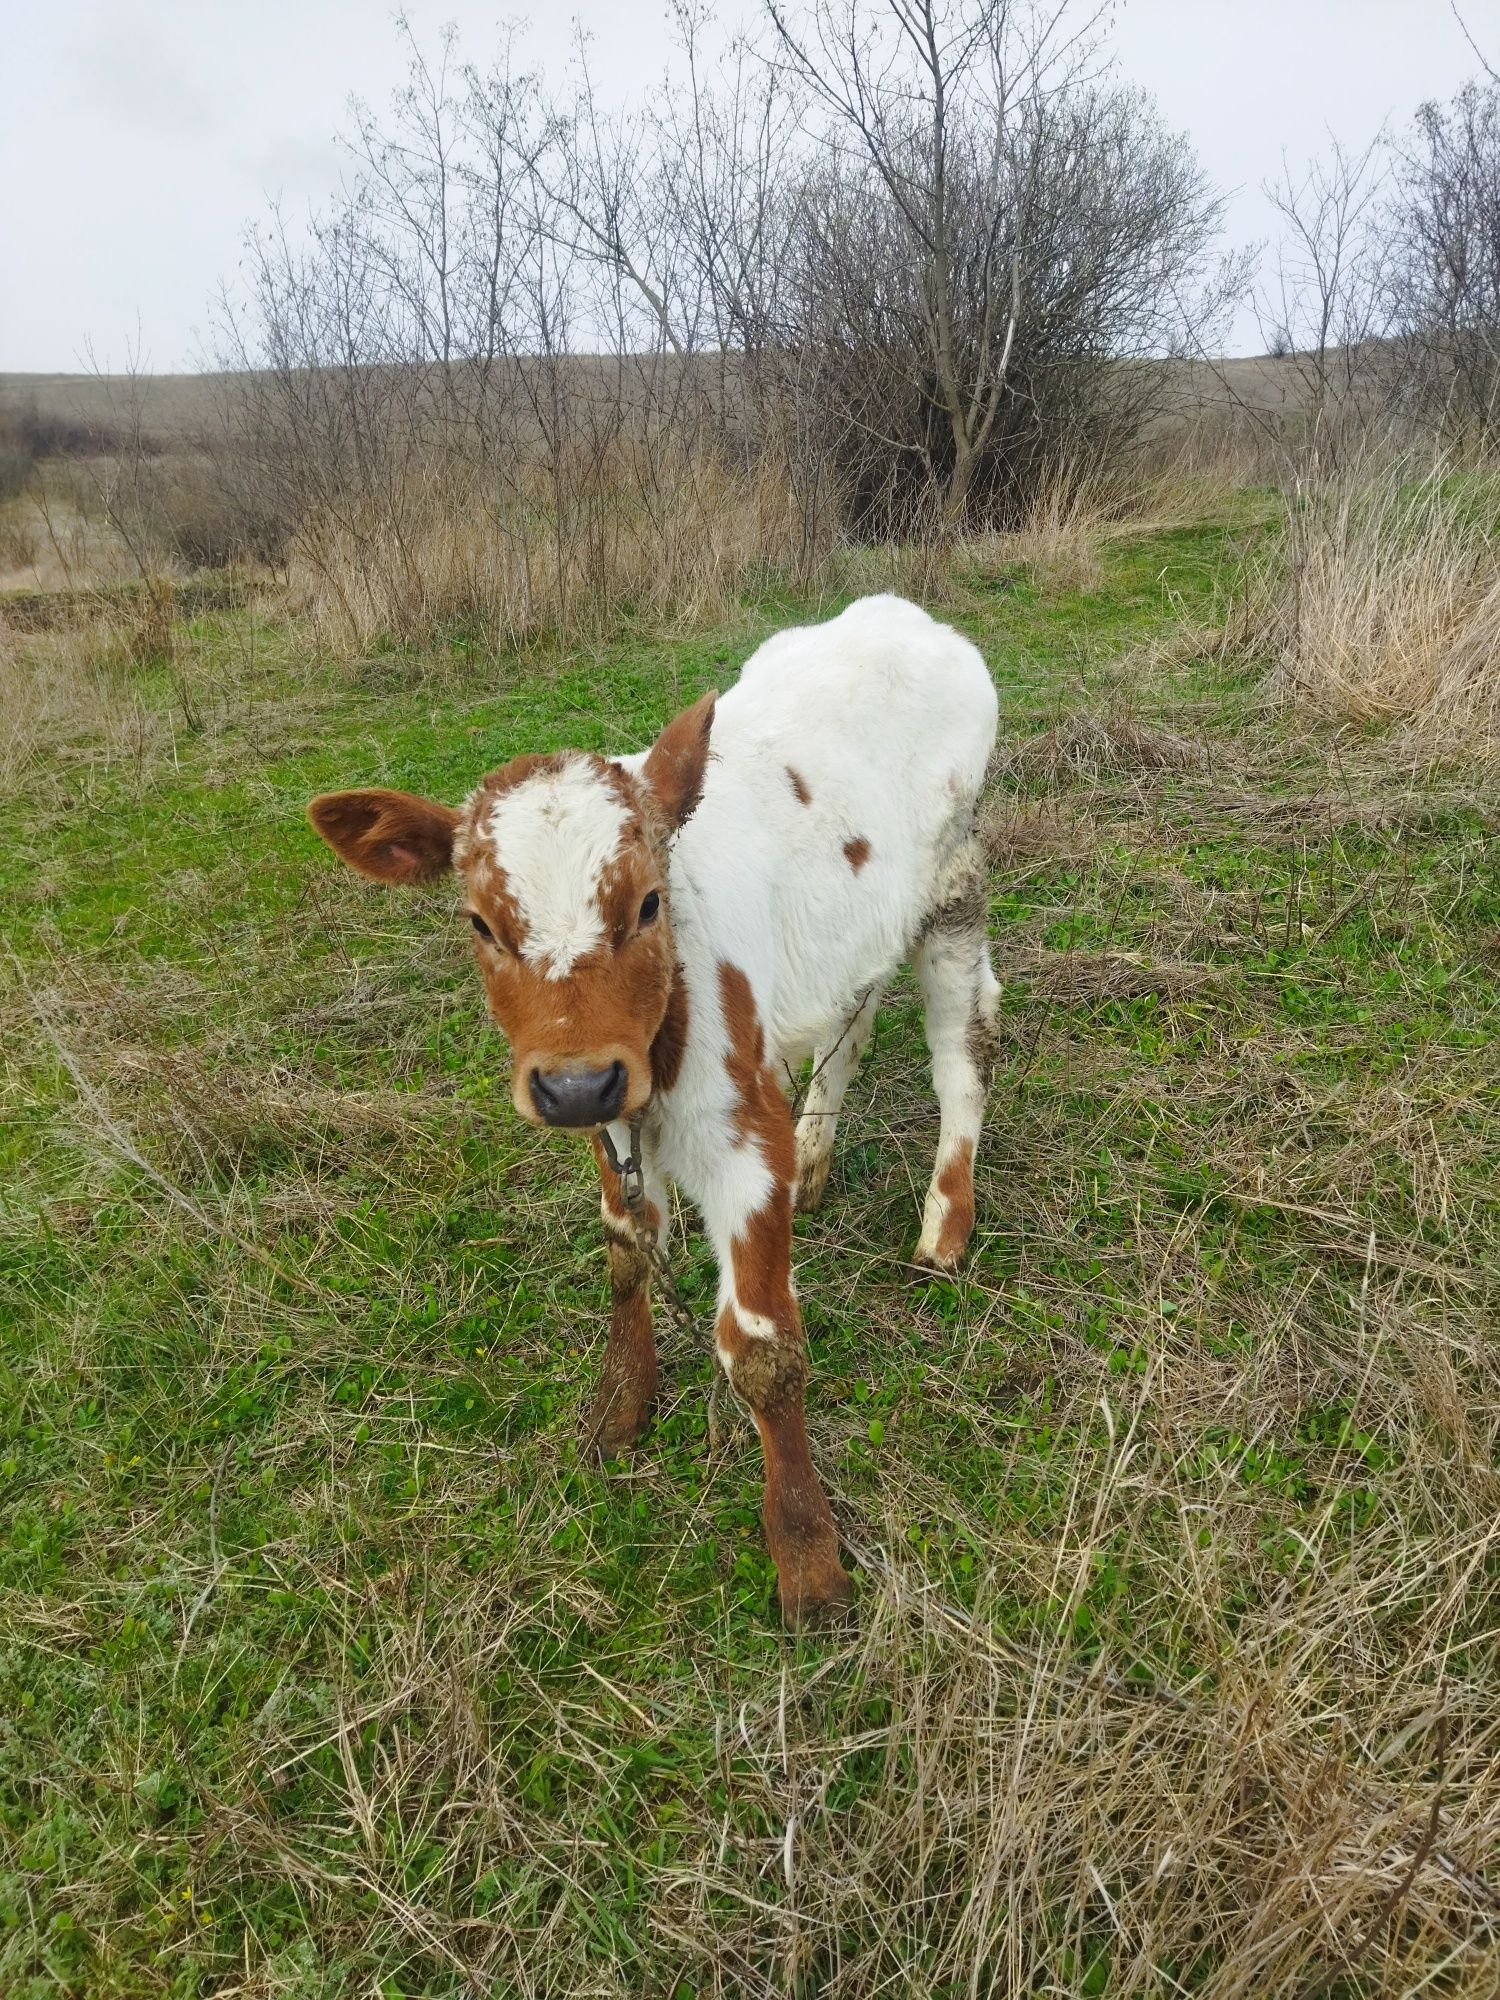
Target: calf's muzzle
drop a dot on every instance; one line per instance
(579, 1097)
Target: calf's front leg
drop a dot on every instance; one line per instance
(761, 1345)
(621, 1408)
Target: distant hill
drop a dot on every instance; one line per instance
(175, 409)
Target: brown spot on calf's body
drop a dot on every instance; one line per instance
(799, 786)
(857, 852)
(761, 1110)
(765, 1369)
(956, 1186)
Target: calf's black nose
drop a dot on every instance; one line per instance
(579, 1096)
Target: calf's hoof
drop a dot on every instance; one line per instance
(942, 1259)
(815, 1594)
(813, 1169)
(612, 1424)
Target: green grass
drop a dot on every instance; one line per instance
(327, 1667)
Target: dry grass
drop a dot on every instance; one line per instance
(1382, 606)
(100, 676)
(61, 689)
(48, 542)
(1088, 745)
(1058, 544)
(667, 536)
(1078, 977)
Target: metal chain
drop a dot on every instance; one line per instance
(632, 1173)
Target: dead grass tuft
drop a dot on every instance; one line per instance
(1382, 606)
(1018, 835)
(1089, 746)
(600, 538)
(1272, 817)
(62, 688)
(1093, 976)
(1150, 665)
(1059, 542)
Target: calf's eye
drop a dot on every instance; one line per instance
(481, 926)
(650, 907)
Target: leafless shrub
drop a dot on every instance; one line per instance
(35, 434)
(989, 235)
(1445, 279)
(1326, 302)
(15, 470)
(186, 514)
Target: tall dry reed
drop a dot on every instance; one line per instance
(1381, 605)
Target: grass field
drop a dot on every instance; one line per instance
(326, 1665)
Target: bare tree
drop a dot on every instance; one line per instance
(989, 230)
(1326, 302)
(920, 99)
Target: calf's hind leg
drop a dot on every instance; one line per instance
(961, 997)
(833, 1067)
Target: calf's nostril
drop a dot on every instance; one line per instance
(542, 1095)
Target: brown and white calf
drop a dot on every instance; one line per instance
(665, 938)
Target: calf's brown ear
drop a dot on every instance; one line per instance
(674, 769)
(389, 836)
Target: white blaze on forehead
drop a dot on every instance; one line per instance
(554, 835)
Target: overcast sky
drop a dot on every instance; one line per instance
(137, 140)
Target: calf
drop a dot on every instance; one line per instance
(665, 938)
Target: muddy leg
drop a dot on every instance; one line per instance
(747, 1205)
(961, 997)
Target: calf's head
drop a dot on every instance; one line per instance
(562, 862)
